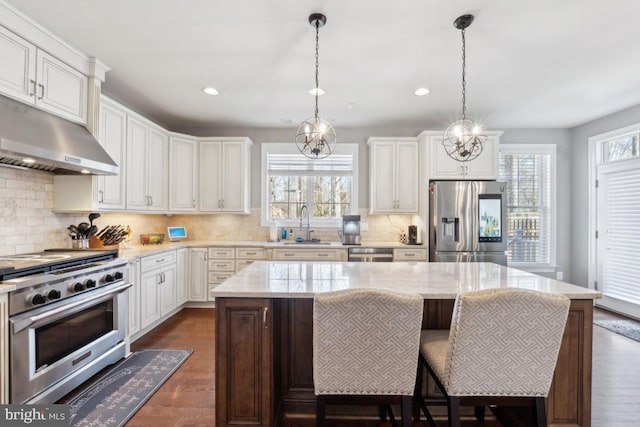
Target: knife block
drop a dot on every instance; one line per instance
(95, 243)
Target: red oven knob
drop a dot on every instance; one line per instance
(90, 283)
(38, 299)
(118, 275)
(77, 287)
(108, 278)
(53, 294)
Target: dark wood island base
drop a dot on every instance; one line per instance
(264, 362)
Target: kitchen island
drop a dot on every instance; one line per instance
(264, 321)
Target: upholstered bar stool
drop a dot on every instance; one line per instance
(501, 349)
(365, 348)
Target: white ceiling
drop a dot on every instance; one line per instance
(530, 64)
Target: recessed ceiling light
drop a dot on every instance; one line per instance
(422, 91)
(351, 106)
(313, 91)
(210, 91)
(84, 171)
(28, 160)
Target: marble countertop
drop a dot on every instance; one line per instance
(135, 251)
(441, 280)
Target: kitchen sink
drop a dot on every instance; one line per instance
(308, 242)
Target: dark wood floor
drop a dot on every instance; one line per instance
(188, 397)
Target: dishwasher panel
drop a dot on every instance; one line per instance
(361, 254)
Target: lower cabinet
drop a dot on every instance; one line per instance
(182, 276)
(198, 289)
(133, 277)
(409, 254)
(307, 254)
(246, 256)
(157, 288)
(221, 265)
(244, 362)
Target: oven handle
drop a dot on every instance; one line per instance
(20, 324)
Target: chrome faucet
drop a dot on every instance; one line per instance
(304, 208)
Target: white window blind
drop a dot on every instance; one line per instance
(619, 230)
(528, 170)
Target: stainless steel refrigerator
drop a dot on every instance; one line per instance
(467, 221)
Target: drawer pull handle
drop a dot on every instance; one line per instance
(159, 260)
(221, 265)
(288, 254)
(250, 253)
(264, 316)
(409, 254)
(323, 254)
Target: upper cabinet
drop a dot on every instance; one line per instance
(224, 174)
(147, 166)
(441, 166)
(33, 76)
(393, 175)
(183, 156)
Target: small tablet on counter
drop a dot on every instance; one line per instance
(176, 233)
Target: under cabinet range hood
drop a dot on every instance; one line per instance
(34, 139)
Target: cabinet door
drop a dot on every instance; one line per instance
(485, 166)
(167, 290)
(18, 67)
(233, 177)
(61, 89)
(137, 137)
(182, 174)
(149, 298)
(113, 138)
(382, 177)
(182, 278)
(133, 277)
(244, 370)
(198, 274)
(158, 169)
(443, 166)
(210, 199)
(406, 181)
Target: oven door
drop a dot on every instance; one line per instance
(57, 347)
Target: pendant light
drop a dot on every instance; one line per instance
(463, 140)
(316, 137)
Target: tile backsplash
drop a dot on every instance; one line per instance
(28, 224)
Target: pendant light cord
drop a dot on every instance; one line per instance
(464, 78)
(317, 66)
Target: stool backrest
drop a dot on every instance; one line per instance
(366, 342)
(504, 342)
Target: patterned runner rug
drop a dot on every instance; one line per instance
(116, 396)
(627, 328)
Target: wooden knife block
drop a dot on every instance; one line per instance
(95, 243)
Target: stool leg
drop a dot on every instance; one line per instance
(320, 411)
(417, 392)
(541, 413)
(479, 413)
(405, 410)
(454, 411)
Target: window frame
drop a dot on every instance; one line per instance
(290, 148)
(550, 149)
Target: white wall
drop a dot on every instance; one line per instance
(580, 185)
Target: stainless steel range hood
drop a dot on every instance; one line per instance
(34, 139)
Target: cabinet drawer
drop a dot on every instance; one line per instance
(216, 277)
(159, 260)
(308, 254)
(222, 253)
(251, 253)
(409, 254)
(242, 263)
(222, 265)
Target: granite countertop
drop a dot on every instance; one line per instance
(135, 251)
(431, 280)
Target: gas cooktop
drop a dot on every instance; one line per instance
(12, 266)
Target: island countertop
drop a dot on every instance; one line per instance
(274, 279)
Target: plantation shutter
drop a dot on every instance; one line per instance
(618, 241)
(284, 164)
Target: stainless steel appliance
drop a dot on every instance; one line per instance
(66, 320)
(467, 221)
(370, 255)
(350, 230)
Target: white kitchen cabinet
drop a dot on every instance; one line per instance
(308, 254)
(183, 152)
(182, 276)
(247, 256)
(224, 174)
(147, 165)
(133, 277)
(33, 76)
(221, 265)
(409, 254)
(441, 166)
(110, 189)
(198, 288)
(393, 175)
(158, 288)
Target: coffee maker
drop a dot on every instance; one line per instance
(412, 235)
(351, 230)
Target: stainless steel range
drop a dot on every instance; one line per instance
(66, 318)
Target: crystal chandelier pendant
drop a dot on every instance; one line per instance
(316, 137)
(463, 140)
